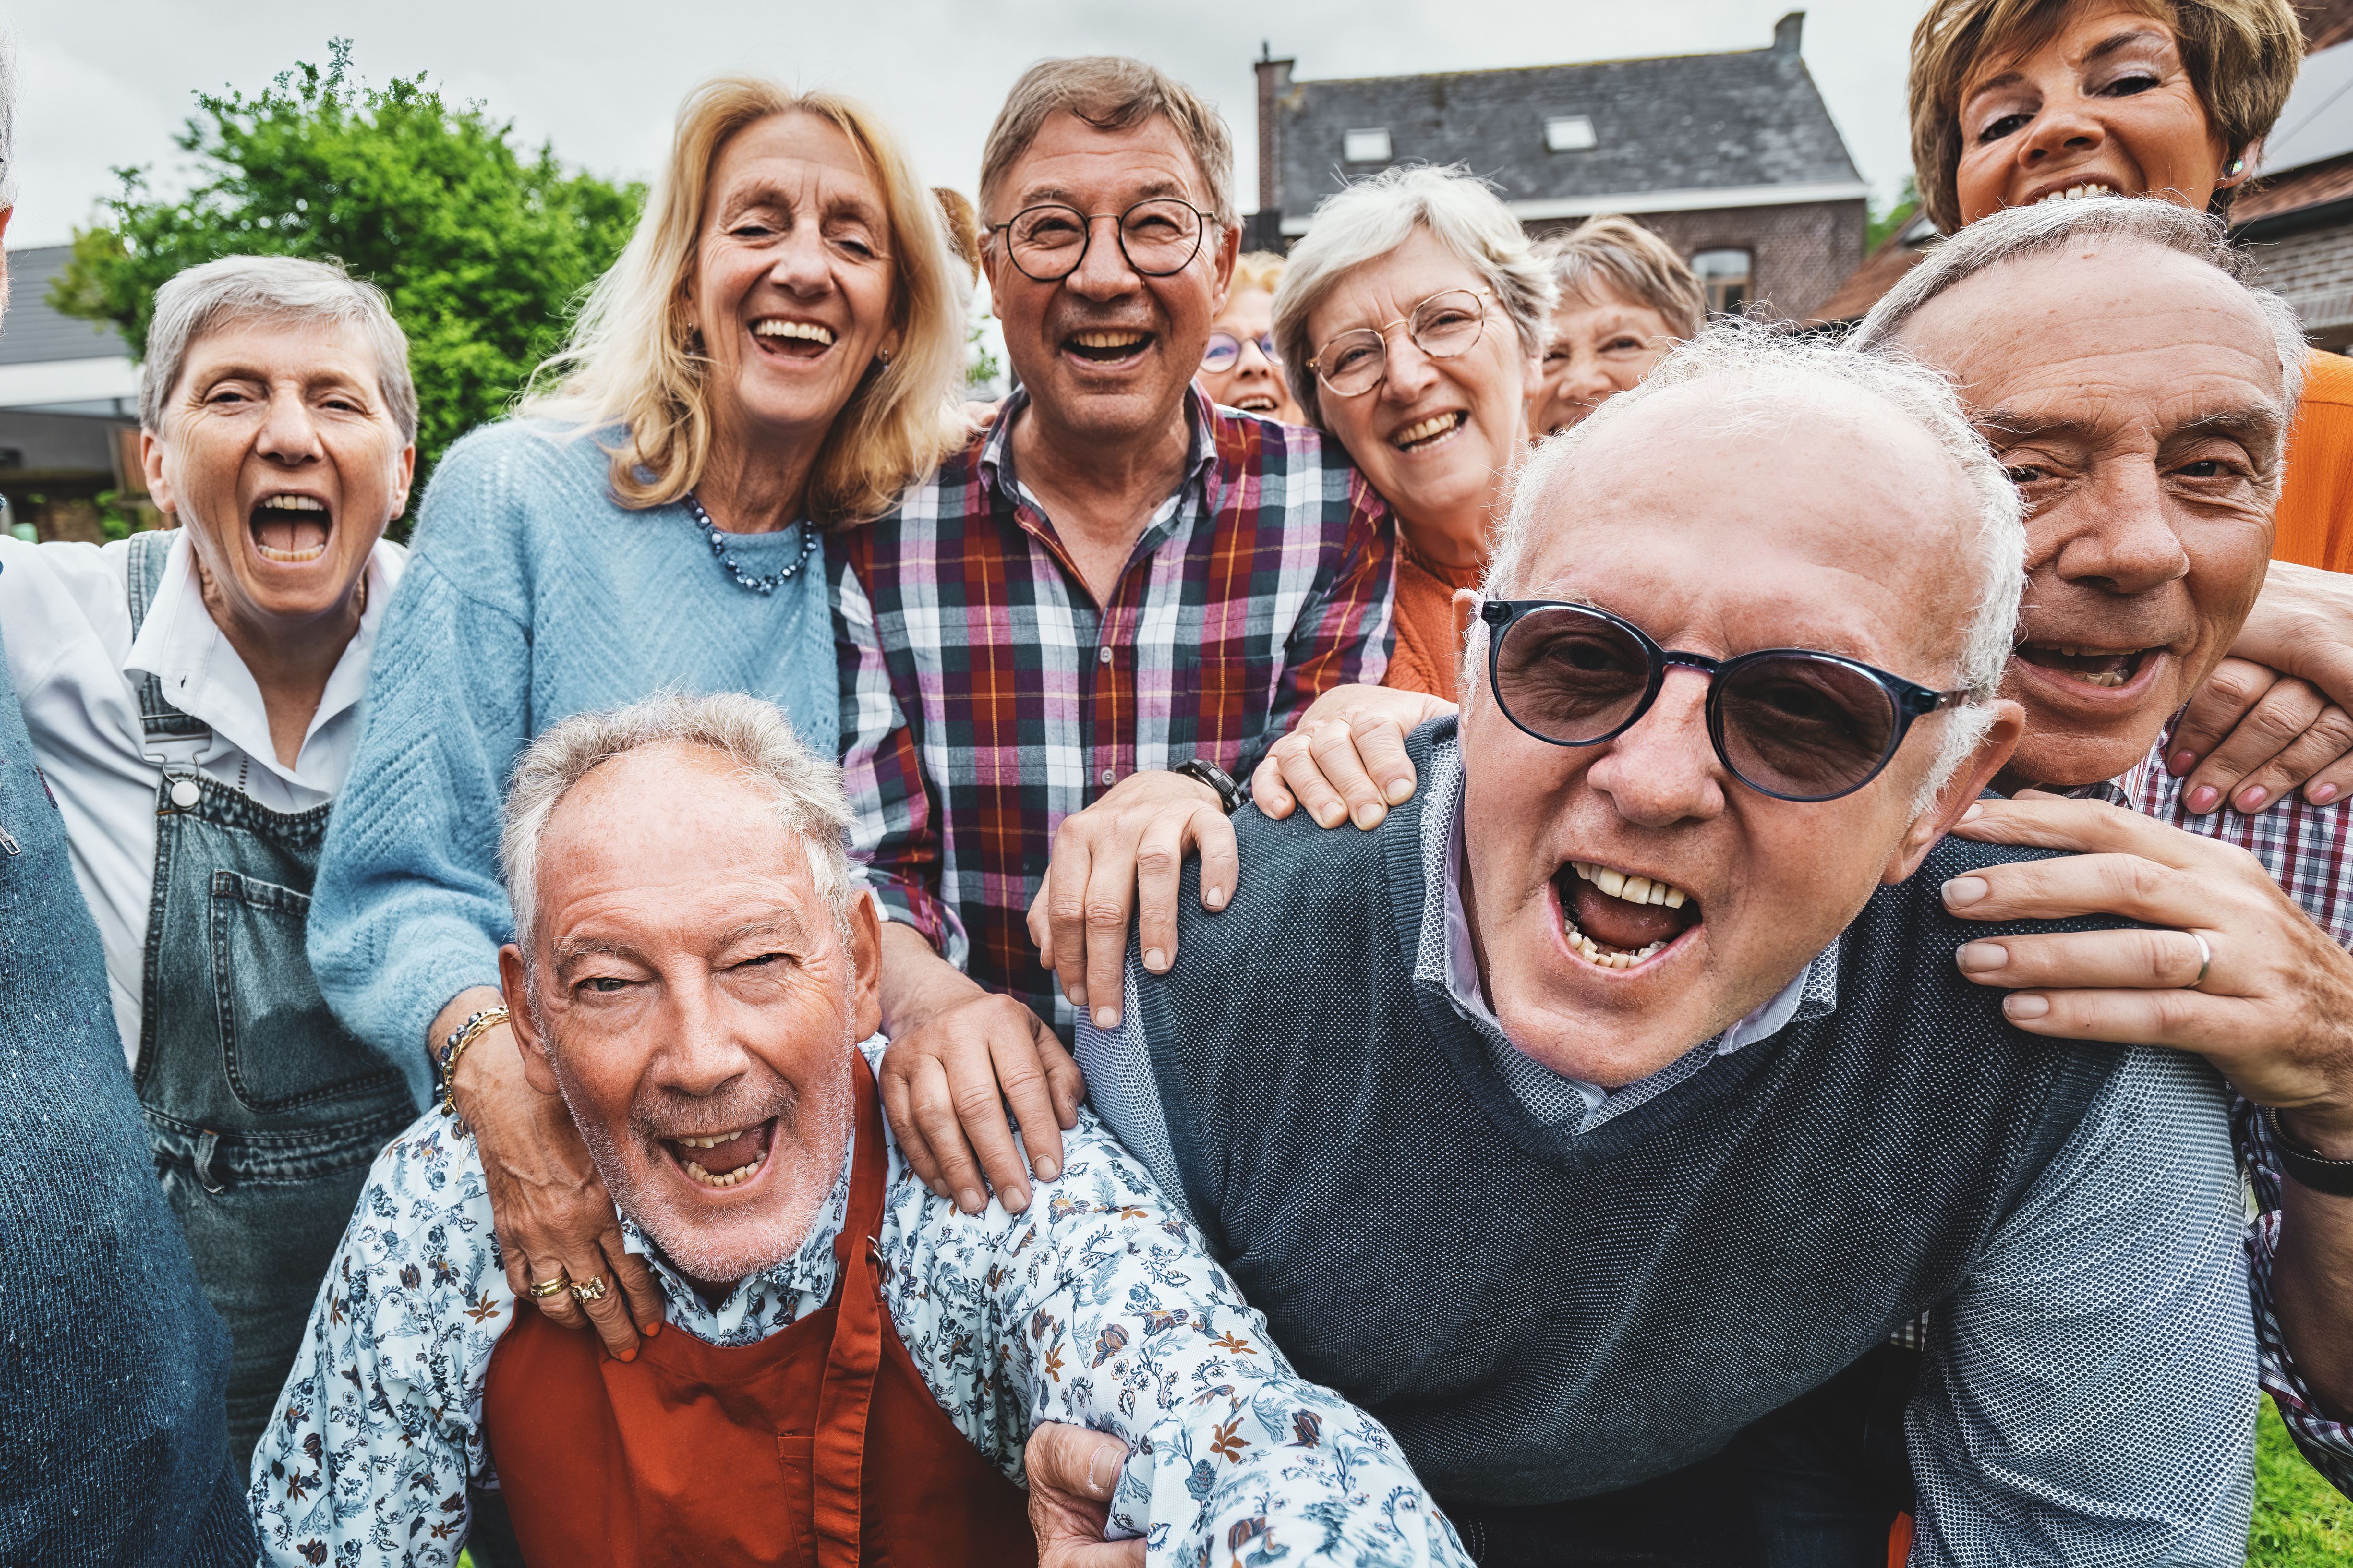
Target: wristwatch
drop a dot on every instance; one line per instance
(1202, 771)
(2308, 1167)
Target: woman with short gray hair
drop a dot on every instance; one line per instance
(1412, 323)
(193, 696)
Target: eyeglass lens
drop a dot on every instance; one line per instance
(1441, 326)
(1157, 237)
(1224, 349)
(1802, 726)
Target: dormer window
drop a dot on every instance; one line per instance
(1367, 146)
(1568, 133)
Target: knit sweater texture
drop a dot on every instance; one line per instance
(113, 1367)
(532, 595)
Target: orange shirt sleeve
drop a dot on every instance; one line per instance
(2314, 525)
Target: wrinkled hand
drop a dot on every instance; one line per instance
(550, 1208)
(947, 1082)
(1124, 855)
(1345, 759)
(2302, 627)
(2254, 735)
(1072, 1471)
(2275, 1012)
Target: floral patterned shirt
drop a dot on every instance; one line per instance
(1113, 1317)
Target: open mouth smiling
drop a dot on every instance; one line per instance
(2104, 669)
(1613, 919)
(1108, 345)
(1257, 403)
(1423, 434)
(792, 340)
(291, 529)
(718, 1160)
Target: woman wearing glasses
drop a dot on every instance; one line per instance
(1241, 368)
(1411, 324)
(1626, 297)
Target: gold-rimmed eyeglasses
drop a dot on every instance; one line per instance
(1442, 326)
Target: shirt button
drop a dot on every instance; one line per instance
(1108, 775)
(184, 792)
(1105, 655)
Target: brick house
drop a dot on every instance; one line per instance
(2297, 217)
(1733, 158)
(69, 409)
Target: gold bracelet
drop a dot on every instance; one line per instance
(472, 1029)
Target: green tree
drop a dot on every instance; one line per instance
(1884, 221)
(483, 246)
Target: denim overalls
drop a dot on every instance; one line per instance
(264, 1112)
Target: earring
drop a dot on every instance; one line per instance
(2238, 166)
(886, 359)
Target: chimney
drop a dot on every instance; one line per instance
(1786, 32)
(1274, 86)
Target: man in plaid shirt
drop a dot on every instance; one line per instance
(1115, 579)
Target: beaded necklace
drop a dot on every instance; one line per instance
(763, 585)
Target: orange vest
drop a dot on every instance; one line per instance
(2315, 506)
(757, 1455)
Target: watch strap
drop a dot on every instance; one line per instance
(1201, 770)
(2307, 1167)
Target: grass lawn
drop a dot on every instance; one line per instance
(2301, 1522)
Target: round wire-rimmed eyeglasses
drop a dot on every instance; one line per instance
(1445, 324)
(1158, 235)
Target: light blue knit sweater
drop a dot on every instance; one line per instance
(530, 595)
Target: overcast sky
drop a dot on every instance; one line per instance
(106, 82)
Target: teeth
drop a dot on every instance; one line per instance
(808, 330)
(733, 1178)
(2077, 193)
(293, 503)
(1108, 340)
(1594, 953)
(1633, 890)
(1436, 425)
(712, 1141)
(1610, 882)
(292, 557)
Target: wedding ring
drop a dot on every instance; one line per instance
(590, 1290)
(2205, 960)
(544, 1288)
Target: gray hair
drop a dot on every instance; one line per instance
(750, 733)
(1110, 92)
(1757, 374)
(271, 288)
(1373, 218)
(7, 121)
(2047, 227)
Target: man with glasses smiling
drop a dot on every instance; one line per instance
(1116, 582)
(1622, 1091)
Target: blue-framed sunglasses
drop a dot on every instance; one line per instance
(1788, 722)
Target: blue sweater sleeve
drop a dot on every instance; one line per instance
(409, 909)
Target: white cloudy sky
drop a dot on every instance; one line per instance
(105, 82)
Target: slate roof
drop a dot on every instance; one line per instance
(1683, 122)
(33, 332)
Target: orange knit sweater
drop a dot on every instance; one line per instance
(2315, 505)
(1426, 655)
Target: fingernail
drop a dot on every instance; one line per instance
(2253, 799)
(1369, 815)
(1078, 995)
(1977, 957)
(1965, 891)
(1975, 811)
(1329, 816)
(2025, 1007)
(630, 1355)
(2202, 799)
(1214, 898)
(1398, 790)
(1106, 1017)
(651, 1330)
(2324, 793)
(1154, 960)
(969, 1201)
(1016, 1199)
(2182, 762)
(1099, 1484)
(940, 1189)
(1047, 1169)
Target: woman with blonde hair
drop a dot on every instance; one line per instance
(1626, 297)
(1241, 369)
(771, 357)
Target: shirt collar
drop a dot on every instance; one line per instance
(1811, 993)
(202, 675)
(995, 461)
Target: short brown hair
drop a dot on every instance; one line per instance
(1110, 92)
(964, 227)
(1628, 260)
(2242, 56)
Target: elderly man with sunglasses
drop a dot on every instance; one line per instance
(1618, 1092)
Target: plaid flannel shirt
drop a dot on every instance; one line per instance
(2309, 849)
(986, 696)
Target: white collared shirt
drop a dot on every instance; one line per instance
(76, 668)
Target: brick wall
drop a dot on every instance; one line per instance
(1799, 254)
(2314, 270)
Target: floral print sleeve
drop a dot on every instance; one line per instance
(379, 1429)
(1100, 1307)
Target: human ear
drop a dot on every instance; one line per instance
(151, 463)
(866, 963)
(529, 1041)
(406, 463)
(1960, 791)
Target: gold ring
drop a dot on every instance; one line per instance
(592, 1290)
(541, 1290)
